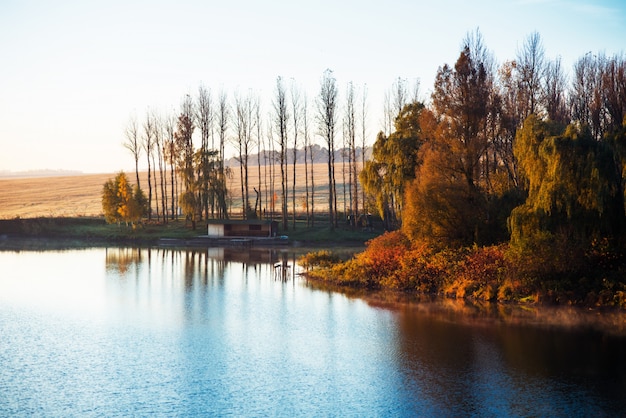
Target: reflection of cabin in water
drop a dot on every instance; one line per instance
(242, 228)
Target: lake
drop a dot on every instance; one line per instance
(232, 332)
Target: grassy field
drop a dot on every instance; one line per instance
(80, 195)
(70, 207)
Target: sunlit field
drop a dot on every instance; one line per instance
(81, 195)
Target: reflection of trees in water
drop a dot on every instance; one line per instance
(196, 263)
(455, 359)
(121, 259)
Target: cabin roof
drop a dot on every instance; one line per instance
(240, 222)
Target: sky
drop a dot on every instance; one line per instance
(72, 73)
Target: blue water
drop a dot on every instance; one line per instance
(129, 332)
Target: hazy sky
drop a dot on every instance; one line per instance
(73, 72)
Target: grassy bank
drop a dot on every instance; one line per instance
(477, 274)
(95, 229)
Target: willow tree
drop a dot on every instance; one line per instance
(393, 164)
(575, 192)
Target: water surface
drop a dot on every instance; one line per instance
(135, 332)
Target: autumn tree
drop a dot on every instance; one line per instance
(184, 146)
(122, 203)
(451, 189)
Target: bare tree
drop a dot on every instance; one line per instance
(363, 135)
(327, 119)
(350, 121)
(258, 205)
(244, 121)
(148, 143)
(223, 116)
(296, 117)
(281, 118)
(158, 146)
(614, 82)
(554, 91)
(306, 146)
(530, 65)
(161, 143)
(133, 143)
(169, 145)
(204, 121)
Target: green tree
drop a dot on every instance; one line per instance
(575, 192)
(393, 164)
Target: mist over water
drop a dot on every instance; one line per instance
(127, 332)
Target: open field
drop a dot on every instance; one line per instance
(81, 195)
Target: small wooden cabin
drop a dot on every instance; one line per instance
(242, 228)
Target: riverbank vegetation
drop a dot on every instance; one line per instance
(506, 186)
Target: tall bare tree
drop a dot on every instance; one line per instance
(531, 66)
(363, 135)
(148, 144)
(133, 143)
(258, 205)
(223, 117)
(350, 121)
(327, 120)
(281, 118)
(204, 121)
(169, 146)
(296, 107)
(307, 151)
(161, 142)
(244, 126)
(554, 92)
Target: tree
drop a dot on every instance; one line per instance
(554, 92)
(120, 203)
(184, 146)
(575, 192)
(363, 136)
(170, 154)
(531, 65)
(393, 164)
(204, 120)
(133, 143)
(308, 153)
(296, 107)
(350, 119)
(244, 125)
(327, 119)
(148, 144)
(281, 117)
(451, 185)
(223, 116)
